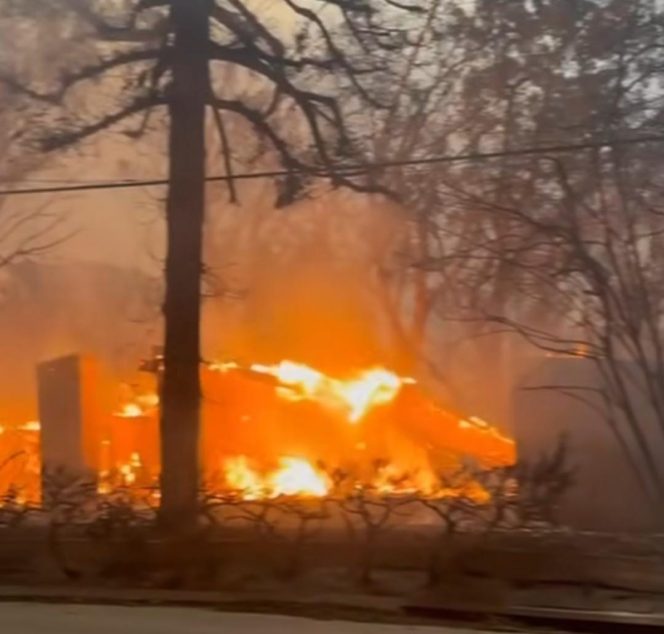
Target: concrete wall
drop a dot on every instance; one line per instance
(68, 413)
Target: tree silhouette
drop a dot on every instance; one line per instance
(164, 54)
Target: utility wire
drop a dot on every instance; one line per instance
(346, 170)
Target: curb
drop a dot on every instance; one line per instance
(329, 607)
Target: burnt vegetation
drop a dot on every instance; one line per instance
(358, 532)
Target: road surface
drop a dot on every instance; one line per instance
(36, 618)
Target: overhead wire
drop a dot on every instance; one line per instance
(344, 170)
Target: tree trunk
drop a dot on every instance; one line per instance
(184, 217)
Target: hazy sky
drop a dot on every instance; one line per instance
(121, 227)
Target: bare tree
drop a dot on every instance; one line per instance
(457, 509)
(595, 255)
(26, 230)
(67, 498)
(473, 501)
(369, 515)
(574, 237)
(562, 250)
(166, 52)
(306, 517)
(27, 234)
(498, 77)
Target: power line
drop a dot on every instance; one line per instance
(347, 170)
(59, 181)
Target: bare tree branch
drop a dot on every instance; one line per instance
(62, 139)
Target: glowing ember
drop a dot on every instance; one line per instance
(32, 425)
(128, 475)
(138, 405)
(223, 366)
(129, 472)
(130, 410)
(148, 401)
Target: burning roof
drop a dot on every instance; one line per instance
(284, 429)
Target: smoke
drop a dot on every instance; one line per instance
(303, 283)
(50, 310)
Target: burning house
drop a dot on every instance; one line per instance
(268, 430)
(313, 378)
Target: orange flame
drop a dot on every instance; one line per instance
(242, 478)
(130, 410)
(130, 470)
(297, 476)
(398, 451)
(140, 405)
(32, 425)
(355, 396)
(294, 476)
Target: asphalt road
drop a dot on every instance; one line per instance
(36, 618)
